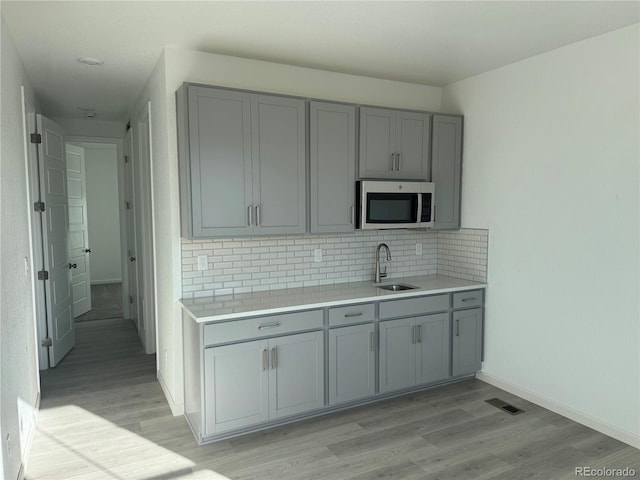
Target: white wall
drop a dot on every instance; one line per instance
(83, 127)
(103, 215)
(178, 66)
(17, 347)
(551, 157)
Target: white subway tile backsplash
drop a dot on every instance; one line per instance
(243, 265)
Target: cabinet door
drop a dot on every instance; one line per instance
(219, 161)
(446, 170)
(412, 145)
(351, 363)
(397, 354)
(433, 351)
(236, 382)
(333, 167)
(279, 175)
(377, 143)
(467, 341)
(296, 378)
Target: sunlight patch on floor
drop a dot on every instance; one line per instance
(73, 441)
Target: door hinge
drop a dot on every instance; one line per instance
(36, 138)
(46, 342)
(130, 299)
(43, 275)
(38, 206)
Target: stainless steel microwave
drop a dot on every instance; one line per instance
(394, 204)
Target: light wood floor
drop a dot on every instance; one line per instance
(103, 416)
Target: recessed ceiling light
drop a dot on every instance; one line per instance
(90, 60)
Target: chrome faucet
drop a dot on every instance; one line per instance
(383, 274)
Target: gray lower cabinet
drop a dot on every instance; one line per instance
(414, 351)
(394, 144)
(332, 162)
(252, 382)
(467, 341)
(351, 363)
(242, 163)
(446, 169)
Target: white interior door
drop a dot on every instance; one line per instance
(78, 231)
(132, 270)
(55, 228)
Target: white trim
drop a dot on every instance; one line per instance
(562, 409)
(176, 408)
(107, 281)
(35, 410)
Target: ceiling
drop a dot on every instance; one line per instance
(425, 42)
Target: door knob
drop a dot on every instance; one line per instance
(73, 265)
(87, 250)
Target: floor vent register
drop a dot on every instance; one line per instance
(502, 405)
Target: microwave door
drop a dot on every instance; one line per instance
(391, 210)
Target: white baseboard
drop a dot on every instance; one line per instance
(104, 282)
(562, 409)
(176, 408)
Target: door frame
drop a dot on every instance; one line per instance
(29, 112)
(118, 142)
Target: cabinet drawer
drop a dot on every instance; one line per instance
(239, 330)
(414, 306)
(351, 314)
(472, 298)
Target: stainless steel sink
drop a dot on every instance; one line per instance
(396, 287)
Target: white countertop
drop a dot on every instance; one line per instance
(227, 307)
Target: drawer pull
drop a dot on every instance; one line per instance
(352, 314)
(469, 299)
(273, 358)
(269, 325)
(265, 360)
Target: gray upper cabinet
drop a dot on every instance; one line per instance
(242, 163)
(394, 144)
(279, 176)
(332, 160)
(215, 161)
(446, 173)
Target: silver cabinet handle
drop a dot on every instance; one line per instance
(419, 334)
(353, 215)
(258, 215)
(352, 314)
(372, 337)
(393, 161)
(457, 327)
(469, 299)
(249, 215)
(268, 325)
(265, 360)
(273, 358)
(398, 161)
